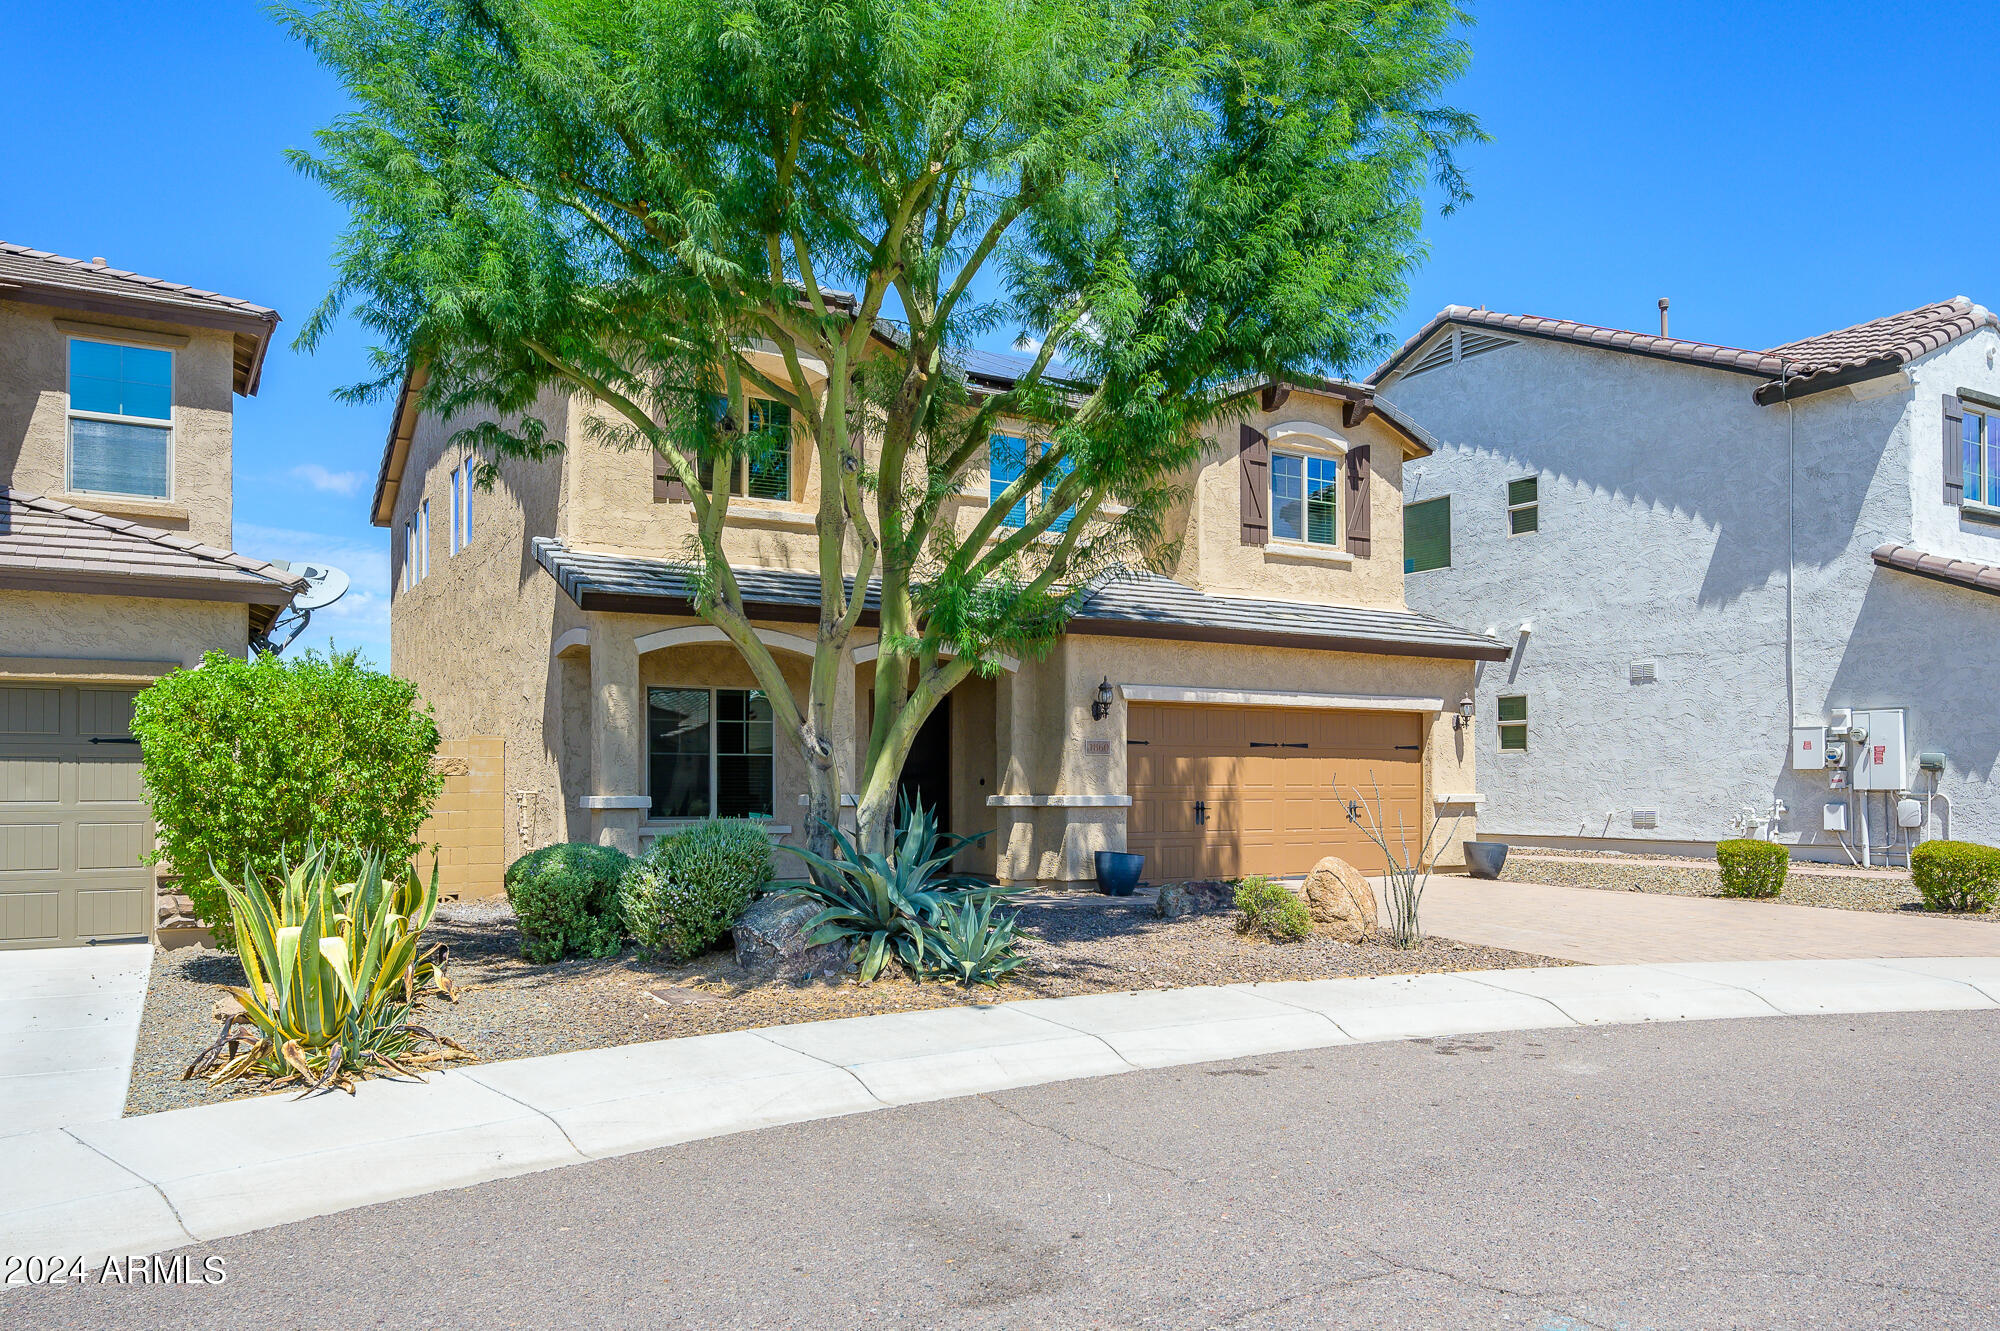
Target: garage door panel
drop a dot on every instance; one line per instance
(30, 917)
(30, 847)
(30, 780)
(30, 711)
(104, 712)
(110, 845)
(109, 781)
(111, 912)
(1274, 807)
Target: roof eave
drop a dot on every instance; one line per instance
(396, 448)
(1805, 385)
(252, 331)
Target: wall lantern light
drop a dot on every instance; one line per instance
(1464, 717)
(1100, 705)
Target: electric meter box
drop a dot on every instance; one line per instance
(1880, 761)
(1808, 748)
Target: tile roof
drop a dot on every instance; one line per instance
(1958, 572)
(1808, 365)
(53, 546)
(37, 275)
(1141, 605)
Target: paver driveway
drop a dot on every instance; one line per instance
(69, 1017)
(1619, 928)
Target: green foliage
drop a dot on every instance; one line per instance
(1271, 909)
(1752, 868)
(686, 891)
(566, 899)
(972, 947)
(1174, 200)
(333, 971)
(888, 905)
(1956, 875)
(245, 758)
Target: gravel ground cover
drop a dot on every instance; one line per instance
(1076, 943)
(1686, 877)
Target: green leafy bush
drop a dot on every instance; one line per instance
(687, 890)
(1752, 868)
(1956, 875)
(888, 905)
(244, 758)
(566, 899)
(1271, 909)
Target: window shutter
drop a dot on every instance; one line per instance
(1954, 451)
(666, 485)
(1359, 505)
(1254, 451)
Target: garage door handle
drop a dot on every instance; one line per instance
(1274, 744)
(1200, 812)
(1411, 747)
(99, 739)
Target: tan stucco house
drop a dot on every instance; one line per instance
(116, 394)
(1269, 668)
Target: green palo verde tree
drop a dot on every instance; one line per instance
(1170, 200)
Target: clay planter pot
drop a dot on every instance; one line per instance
(1118, 873)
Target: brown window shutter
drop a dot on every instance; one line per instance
(666, 485)
(1254, 451)
(1954, 451)
(1360, 506)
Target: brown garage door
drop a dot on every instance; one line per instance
(1219, 792)
(73, 818)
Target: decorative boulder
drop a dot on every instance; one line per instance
(1341, 902)
(771, 935)
(1198, 898)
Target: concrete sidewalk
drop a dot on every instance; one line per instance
(69, 1017)
(141, 1185)
(1605, 928)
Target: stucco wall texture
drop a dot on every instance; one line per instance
(1665, 494)
(34, 417)
(66, 625)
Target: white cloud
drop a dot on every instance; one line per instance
(343, 483)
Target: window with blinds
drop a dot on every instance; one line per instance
(1427, 535)
(1524, 500)
(710, 753)
(1513, 718)
(120, 419)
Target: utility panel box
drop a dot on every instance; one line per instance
(1808, 748)
(1881, 762)
(1833, 817)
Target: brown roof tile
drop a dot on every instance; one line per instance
(43, 539)
(37, 275)
(1958, 572)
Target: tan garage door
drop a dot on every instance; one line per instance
(1220, 792)
(73, 818)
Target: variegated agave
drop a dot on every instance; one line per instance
(334, 972)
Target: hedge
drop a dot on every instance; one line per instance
(565, 897)
(1956, 875)
(1752, 868)
(685, 893)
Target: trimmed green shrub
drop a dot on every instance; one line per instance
(566, 899)
(1956, 875)
(1752, 868)
(686, 891)
(1271, 909)
(244, 758)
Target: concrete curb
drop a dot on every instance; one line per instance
(142, 1185)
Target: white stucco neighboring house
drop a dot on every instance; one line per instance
(1701, 554)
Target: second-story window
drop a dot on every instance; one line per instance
(423, 540)
(461, 504)
(764, 471)
(1981, 435)
(1427, 535)
(120, 419)
(1305, 498)
(1007, 456)
(1524, 506)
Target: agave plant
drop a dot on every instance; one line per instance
(972, 947)
(889, 904)
(334, 971)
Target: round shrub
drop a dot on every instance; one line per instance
(1271, 909)
(1752, 868)
(684, 893)
(1956, 875)
(566, 898)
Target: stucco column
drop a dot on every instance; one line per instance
(616, 801)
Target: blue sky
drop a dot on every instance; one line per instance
(1775, 171)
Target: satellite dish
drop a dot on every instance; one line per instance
(325, 584)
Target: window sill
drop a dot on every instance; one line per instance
(1307, 552)
(771, 513)
(681, 824)
(1984, 514)
(125, 506)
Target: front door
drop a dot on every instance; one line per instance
(926, 777)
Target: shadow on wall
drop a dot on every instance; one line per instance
(1927, 648)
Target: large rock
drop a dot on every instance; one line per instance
(1341, 902)
(771, 936)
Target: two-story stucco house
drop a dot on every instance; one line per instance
(1202, 715)
(116, 395)
(1707, 559)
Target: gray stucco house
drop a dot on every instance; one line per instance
(1713, 564)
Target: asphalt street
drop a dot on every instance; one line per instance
(1787, 1172)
